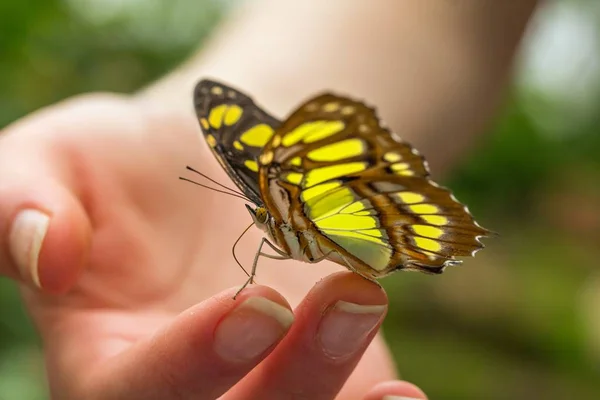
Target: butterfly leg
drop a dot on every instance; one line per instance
(281, 256)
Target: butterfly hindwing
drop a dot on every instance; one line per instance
(236, 130)
(363, 189)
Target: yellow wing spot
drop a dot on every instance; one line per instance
(251, 165)
(238, 145)
(402, 169)
(428, 231)
(296, 161)
(355, 207)
(323, 174)
(210, 139)
(331, 107)
(347, 222)
(276, 141)
(233, 115)
(257, 136)
(318, 190)
(435, 219)
(216, 116)
(266, 158)
(399, 166)
(312, 131)
(338, 151)
(365, 212)
(427, 244)
(409, 197)
(329, 203)
(392, 157)
(328, 129)
(298, 134)
(373, 232)
(294, 177)
(348, 110)
(217, 90)
(424, 209)
(204, 124)
(359, 235)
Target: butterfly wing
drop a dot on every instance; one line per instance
(236, 130)
(366, 192)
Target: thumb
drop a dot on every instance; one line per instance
(44, 230)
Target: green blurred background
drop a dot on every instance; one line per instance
(522, 323)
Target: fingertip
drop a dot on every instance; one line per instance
(254, 291)
(342, 312)
(395, 390)
(347, 286)
(257, 322)
(204, 323)
(47, 236)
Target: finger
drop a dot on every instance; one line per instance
(44, 230)
(395, 390)
(201, 354)
(334, 325)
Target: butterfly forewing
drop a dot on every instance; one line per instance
(364, 191)
(236, 130)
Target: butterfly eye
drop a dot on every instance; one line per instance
(261, 215)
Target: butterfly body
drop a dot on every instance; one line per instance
(297, 237)
(330, 182)
(298, 242)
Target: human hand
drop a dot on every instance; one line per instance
(125, 289)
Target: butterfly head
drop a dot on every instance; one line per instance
(259, 214)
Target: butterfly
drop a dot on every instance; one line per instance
(330, 182)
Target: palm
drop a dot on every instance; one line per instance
(159, 244)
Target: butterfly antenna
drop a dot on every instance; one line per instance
(233, 249)
(213, 181)
(216, 190)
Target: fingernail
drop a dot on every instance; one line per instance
(251, 328)
(25, 242)
(346, 326)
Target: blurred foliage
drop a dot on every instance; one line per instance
(52, 49)
(523, 323)
(506, 173)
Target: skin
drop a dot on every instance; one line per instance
(135, 268)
